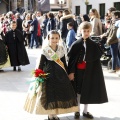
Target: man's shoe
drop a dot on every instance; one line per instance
(37, 46)
(56, 118)
(1, 70)
(76, 115)
(88, 115)
(14, 68)
(19, 69)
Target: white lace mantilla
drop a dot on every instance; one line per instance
(60, 52)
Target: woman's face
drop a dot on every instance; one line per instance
(91, 13)
(28, 17)
(54, 39)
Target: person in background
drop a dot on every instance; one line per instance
(14, 41)
(51, 25)
(60, 14)
(96, 22)
(112, 41)
(19, 22)
(26, 30)
(24, 15)
(117, 24)
(85, 17)
(110, 10)
(79, 20)
(34, 25)
(44, 25)
(39, 35)
(75, 23)
(67, 17)
(40, 17)
(4, 59)
(71, 35)
(107, 22)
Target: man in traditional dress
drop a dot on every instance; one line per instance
(14, 40)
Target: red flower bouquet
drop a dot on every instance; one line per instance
(40, 76)
(38, 72)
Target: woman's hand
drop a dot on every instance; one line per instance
(71, 76)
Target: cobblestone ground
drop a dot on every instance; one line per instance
(13, 90)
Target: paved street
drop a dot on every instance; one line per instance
(13, 90)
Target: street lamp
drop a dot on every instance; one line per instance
(86, 2)
(61, 3)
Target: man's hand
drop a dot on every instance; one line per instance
(71, 76)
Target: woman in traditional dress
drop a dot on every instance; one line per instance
(56, 95)
(4, 59)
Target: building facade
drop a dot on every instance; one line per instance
(56, 5)
(32, 5)
(20, 5)
(4, 6)
(83, 6)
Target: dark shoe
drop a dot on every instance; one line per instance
(1, 70)
(14, 68)
(50, 118)
(56, 118)
(76, 115)
(88, 115)
(37, 47)
(19, 69)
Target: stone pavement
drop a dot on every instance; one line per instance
(13, 90)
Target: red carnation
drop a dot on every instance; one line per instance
(38, 72)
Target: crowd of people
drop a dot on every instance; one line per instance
(70, 56)
(35, 27)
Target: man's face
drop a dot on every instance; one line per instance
(13, 26)
(86, 32)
